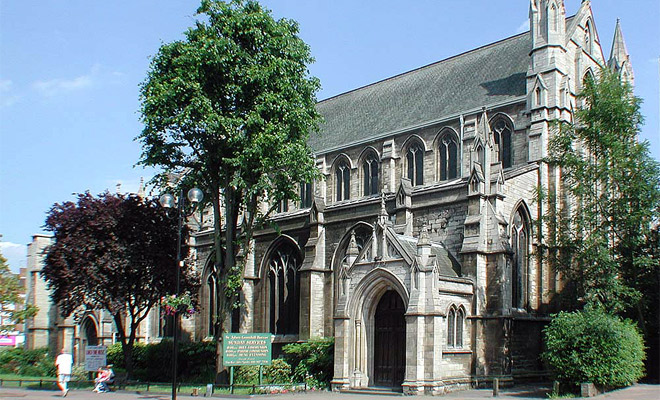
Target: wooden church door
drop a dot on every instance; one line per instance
(389, 341)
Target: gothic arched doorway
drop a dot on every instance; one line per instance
(389, 341)
(89, 333)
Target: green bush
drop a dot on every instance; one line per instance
(153, 362)
(593, 346)
(20, 361)
(312, 361)
(279, 371)
(247, 375)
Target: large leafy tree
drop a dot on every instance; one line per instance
(113, 252)
(605, 239)
(231, 107)
(12, 305)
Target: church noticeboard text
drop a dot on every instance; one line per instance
(246, 349)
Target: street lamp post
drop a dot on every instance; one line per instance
(168, 201)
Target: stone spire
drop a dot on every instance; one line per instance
(141, 189)
(619, 58)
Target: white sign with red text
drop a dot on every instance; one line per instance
(95, 357)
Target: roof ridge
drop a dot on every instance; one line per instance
(424, 66)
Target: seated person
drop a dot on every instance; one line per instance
(102, 378)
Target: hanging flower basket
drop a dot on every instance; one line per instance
(173, 304)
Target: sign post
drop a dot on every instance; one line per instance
(95, 357)
(245, 349)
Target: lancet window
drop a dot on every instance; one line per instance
(415, 161)
(370, 175)
(343, 181)
(283, 290)
(502, 131)
(448, 149)
(520, 261)
(455, 323)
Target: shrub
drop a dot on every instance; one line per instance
(312, 361)
(21, 361)
(279, 371)
(247, 375)
(153, 362)
(592, 346)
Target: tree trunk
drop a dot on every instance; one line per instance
(219, 264)
(126, 346)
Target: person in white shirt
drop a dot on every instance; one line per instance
(64, 363)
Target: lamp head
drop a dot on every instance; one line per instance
(166, 200)
(195, 195)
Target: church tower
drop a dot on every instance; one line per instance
(548, 72)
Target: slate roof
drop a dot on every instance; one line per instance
(447, 264)
(488, 75)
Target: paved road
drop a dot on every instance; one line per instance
(637, 392)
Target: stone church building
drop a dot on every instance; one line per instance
(418, 252)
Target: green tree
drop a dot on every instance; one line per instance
(117, 253)
(604, 233)
(231, 107)
(12, 304)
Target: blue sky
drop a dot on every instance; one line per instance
(69, 75)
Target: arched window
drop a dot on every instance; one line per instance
(370, 175)
(305, 195)
(502, 130)
(481, 155)
(448, 156)
(343, 181)
(520, 246)
(460, 318)
(537, 94)
(587, 79)
(283, 290)
(588, 38)
(211, 285)
(415, 161)
(455, 321)
(451, 325)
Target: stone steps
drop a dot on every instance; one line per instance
(380, 391)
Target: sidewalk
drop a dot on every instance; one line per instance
(637, 392)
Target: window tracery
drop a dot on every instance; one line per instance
(343, 181)
(502, 132)
(283, 290)
(520, 246)
(455, 324)
(370, 175)
(448, 157)
(415, 161)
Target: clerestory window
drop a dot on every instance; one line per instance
(305, 195)
(502, 131)
(370, 175)
(448, 157)
(343, 181)
(415, 161)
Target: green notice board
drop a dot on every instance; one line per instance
(246, 349)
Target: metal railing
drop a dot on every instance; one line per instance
(252, 389)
